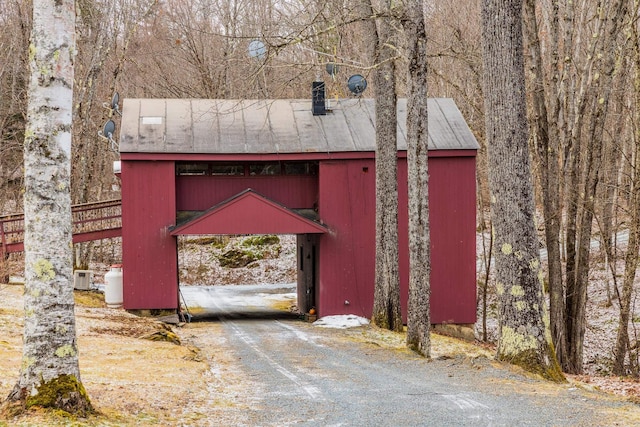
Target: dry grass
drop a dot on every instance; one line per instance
(131, 381)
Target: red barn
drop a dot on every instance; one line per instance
(194, 166)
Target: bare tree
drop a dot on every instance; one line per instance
(386, 303)
(632, 258)
(546, 152)
(418, 316)
(523, 338)
(50, 376)
(15, 23)
(573, 55)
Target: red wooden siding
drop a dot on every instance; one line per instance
(149, 253)
(452, 215)
(345, 194)
(347, 253)
(249, 213)
(199, 193)
(347, 206)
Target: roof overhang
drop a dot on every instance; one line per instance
(249, 213)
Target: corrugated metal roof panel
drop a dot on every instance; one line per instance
(274, 126)
(231, 127)
(152, 125)
(361, 125)
(310, 135)
(285, 133)
(336, 131)
(205, 126)
(258, 136)
(130, 121)
(179, 126)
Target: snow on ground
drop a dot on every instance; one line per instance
(342, 321)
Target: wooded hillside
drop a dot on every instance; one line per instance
(583, 89)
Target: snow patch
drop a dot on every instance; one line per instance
(342, 321)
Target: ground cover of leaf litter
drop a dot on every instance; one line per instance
(136, 381)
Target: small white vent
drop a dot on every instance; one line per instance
(152, 120)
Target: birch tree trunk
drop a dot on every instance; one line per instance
(386, 305)
(50, 375)
(418, 316)
(524, 337)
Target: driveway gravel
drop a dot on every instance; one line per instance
(304, 375)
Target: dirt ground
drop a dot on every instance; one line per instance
(134, 381)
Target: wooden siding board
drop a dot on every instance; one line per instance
(347, 253)
(149, 252)
(199, 193)
(453, 244)
(347, 206)
(346, 195)
(206, 129)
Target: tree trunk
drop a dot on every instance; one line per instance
(547, 155)
(50, 376)
(418, 317)
(524, 337)
(612, 17)
(386, 304)
(631, 259)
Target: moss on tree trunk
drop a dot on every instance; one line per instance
(532, 361)
(63, 393)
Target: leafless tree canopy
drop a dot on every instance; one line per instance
(581, 63)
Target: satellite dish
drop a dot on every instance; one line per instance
(107, 133)
(357, 84)
(114, 101)
(332, 69)
(109, 129)
(257, 49)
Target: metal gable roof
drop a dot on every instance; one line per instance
(212, 126)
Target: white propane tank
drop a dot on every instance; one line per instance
(113, 287)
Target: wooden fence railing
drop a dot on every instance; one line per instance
(91, 221)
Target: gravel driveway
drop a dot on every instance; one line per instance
(305, 375)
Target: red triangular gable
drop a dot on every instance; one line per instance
(249, 213)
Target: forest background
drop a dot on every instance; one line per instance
(582, 86)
